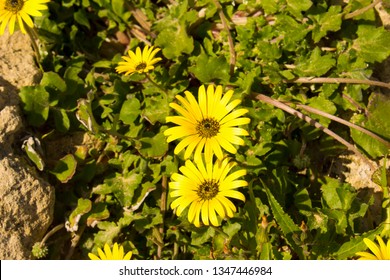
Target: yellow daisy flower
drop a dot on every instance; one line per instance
(141, 62)
(207, 124)
(21, 10)
(206, 189)
(381, 252)
(116, 254)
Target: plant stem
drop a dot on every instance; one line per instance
(385, 200)
(74, 241)
(314, 123)
(163, 208)
(51, 232)
(326, 80)
(362, 10)
(157, 85)
(224, 21)
(342, 121)
(32, 33)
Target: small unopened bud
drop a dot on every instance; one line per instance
(39, 250)
(263, 230)
(303, 227)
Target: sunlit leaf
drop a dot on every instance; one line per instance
(35, 100)
(65, 168)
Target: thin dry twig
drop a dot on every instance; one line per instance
(342, 121)
(314, 123)
(327, 80)
(362, 10)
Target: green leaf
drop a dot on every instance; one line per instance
(323, 104)
(174, 41)
(268, 51)
(325, 22)
(35, 102)
(108, 231)
(61, 120)
(210, 68)
(122, 186)
(153, 147)
(53, 83)
(315, 65)
(293, 31)
(99, 212)
(316, 219)
(130, 111)
(337, 195)
(372, 43)
(118, 6)
(83, 207)
(270, 6)
(378, 122)
(32, 147)
(296, 7)
(202, 235)
(356, 244)
(287, 225)
(81, 17)
(85, 116)
(302, 200)
(65, 168)
(156, 109)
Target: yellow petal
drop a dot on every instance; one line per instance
(382, 247)
(102, 255)
(373, 247)
(212, 216)
(205, 212)
(216, 204)
(185, 142)
(193, 104)
(5, 19)
(366, 256)
(202, 100)
(93, 257)
(115, 252)
(210, 101)
(225, 144)
(233, 194)
(107, 251)
(128, 256)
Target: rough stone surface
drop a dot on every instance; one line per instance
(26, 200)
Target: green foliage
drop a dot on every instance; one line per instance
(112, 184)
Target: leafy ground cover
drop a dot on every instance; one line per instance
(303, 70)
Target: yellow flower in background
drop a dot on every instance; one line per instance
(117, 253)
(381, 252)
(20, 11)
(141, 62)
(208, 124)
(206, 189)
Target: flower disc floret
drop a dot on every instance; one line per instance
(206, 189)
(208, 124)
(117, 253)
(138, 62)
(20, 11)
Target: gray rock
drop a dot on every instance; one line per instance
(26, 200)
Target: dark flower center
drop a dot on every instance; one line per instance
(14, 6)
(140, 66)
(208, 190)
(208, 128)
